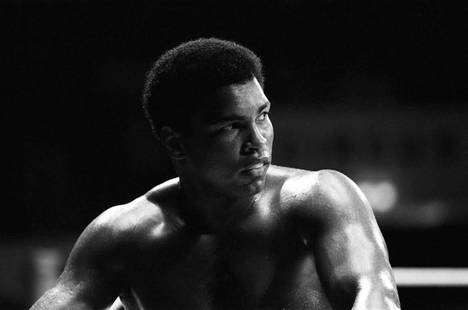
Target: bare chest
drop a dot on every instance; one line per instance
(264, 270)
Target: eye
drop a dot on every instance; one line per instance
(262, 116)
(227, 127)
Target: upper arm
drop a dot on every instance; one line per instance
(92, 273)
(351, 255)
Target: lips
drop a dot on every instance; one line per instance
(256, 164)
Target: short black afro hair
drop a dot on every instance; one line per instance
(182, 76)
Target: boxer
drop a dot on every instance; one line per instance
(232, 230)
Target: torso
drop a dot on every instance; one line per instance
(262, 263)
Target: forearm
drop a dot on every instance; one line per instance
(58, 299)
(373, 294)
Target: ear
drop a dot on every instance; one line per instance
(172, 142)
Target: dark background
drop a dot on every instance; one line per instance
(376, 90)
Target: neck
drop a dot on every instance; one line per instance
(209, 209)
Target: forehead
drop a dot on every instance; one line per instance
(236, 99)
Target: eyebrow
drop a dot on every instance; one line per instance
(236, 117)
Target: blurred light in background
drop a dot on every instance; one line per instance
(382, 195)
(47, 265)
(30, 267)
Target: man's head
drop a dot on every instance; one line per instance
(206, 103)
(179, 81)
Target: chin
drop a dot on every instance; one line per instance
(254, 187)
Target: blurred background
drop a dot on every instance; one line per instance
(376, 90)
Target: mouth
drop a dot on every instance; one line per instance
(255, 166)
(258, 164)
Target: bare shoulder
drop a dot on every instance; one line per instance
(294, 185)
(292, 181)
(315, 194)
(336, 189)
(336, 194)
(145, 215)
(123, 226)
(100, 258)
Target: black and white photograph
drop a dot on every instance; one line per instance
(248, 155)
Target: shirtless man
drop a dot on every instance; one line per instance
(232, 231)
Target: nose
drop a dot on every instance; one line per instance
(256, 141)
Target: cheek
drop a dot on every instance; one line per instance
(270, 134)
(218, 153)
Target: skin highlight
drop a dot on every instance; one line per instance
(232, 231)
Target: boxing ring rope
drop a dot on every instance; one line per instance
(411, 277)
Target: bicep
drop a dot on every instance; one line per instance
(353, 265)
(346, 241)
(347, 251)
(88, 280)
(60, 297)
(71, 292)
